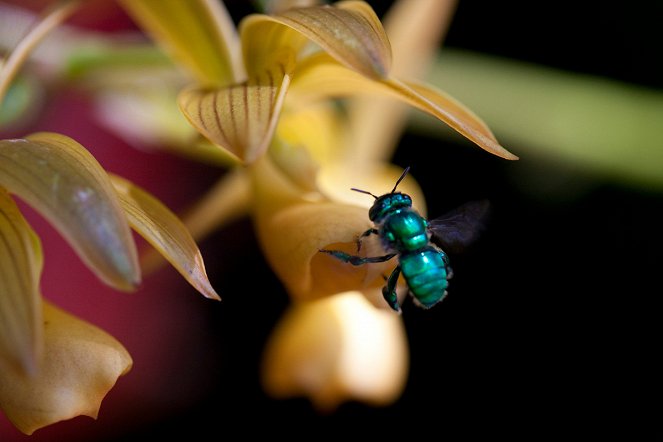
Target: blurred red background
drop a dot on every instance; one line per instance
(163, 325)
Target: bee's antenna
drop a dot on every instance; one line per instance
(364, 191)
(407, 169)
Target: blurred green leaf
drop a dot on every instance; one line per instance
(601, 125)
(18, 102)
(100, 56)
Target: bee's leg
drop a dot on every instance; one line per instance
(389, 290)
(357, 260)
(364, 235)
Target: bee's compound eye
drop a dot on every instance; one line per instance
(381, 205)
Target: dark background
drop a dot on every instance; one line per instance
(552, 323)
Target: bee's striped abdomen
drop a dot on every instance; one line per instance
(426, 274)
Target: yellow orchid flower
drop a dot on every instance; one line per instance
(337, 348)
(288, 83)
(54, 366)
(274, 113)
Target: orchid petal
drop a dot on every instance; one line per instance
(337, 349)
(239, 118)
(292, 230)
(161, 228)
(21, 337)
(452, 112)
(335, 181)
(293, 237)
(198, 33)
(349, 31)
(307, 139)
(320, 77)
(81, 364)
(414, 30)
(203, 150)
(61, 180)
(266, 43)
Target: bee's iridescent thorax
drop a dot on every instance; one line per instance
(388, 204)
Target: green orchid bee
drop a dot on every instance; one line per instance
(417, 242)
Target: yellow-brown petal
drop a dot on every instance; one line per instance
(81, 364)
(266, 43)
(292, 238)
(198, 33)
(239, 118)
(21, 337)
(336, 179)
(452, 112)
(64, 182)
(415, 30)
(337, 349)
(292, 230)
(349, 31)
(161, 228)
(320, 77)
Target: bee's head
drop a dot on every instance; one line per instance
(388, 203)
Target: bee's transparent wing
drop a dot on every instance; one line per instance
(460, 227)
